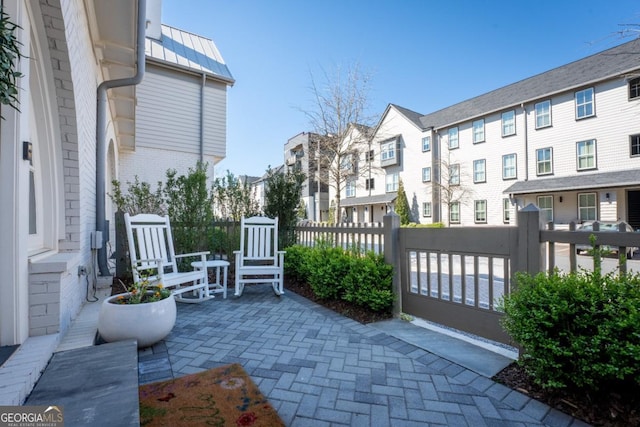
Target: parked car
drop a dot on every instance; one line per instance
(606, 226)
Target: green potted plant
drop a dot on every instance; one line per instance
(146, 312)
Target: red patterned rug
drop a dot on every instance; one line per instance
(224, 396)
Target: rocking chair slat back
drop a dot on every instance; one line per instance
(258, 260)
(151, 248)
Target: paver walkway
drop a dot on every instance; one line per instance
(319, 368)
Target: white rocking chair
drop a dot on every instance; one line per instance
(151, 248)
(259, 260)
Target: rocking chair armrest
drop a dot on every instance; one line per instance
(204, 254)
(143, 260)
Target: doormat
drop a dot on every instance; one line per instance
(6, 352)
(224, 396)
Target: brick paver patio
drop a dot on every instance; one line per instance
(319, 368)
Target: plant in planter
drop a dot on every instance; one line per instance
(146, 313)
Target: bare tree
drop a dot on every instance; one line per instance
(339, 115)
(450, 186)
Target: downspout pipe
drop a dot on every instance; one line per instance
(202, 89)
(101, 133)
(526, 143)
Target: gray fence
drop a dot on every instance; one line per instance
(457, 276)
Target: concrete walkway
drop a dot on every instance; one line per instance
(319, 368)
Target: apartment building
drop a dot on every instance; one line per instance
(299, 155)
(566, 140)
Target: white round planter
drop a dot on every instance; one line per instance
(147, 323)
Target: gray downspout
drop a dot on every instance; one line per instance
(101, 132)
(204, 81)
(526, 144)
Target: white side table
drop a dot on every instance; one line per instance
(218, 286)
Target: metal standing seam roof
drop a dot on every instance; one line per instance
(190, 51)
(610, 63)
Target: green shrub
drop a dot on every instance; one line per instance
(578, 330)
(336, 273)
(368, 282)
(296, 264)
(431, 225)
(327, 267)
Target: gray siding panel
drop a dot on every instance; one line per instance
(168, 113)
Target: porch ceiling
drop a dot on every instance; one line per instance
(582, 181)
(113, 32)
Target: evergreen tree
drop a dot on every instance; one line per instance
(402, 205)
(282, 200)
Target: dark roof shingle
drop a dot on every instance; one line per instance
(608, 64)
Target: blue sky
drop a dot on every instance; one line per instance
(423, 55)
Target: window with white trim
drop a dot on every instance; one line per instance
(453, 138)
(388, 150)
(544, 161)
(392, 181)
(506, 210)
(634, 143)
(586, 154)
(587, 207)
(479, 171)
(426, 143)
(426, 174)
(480, 211)
(426, 209)
(509, 123)
(454, 174)
(478, 131)
(350, 188)
(545, 204)
(543, 114)
(509, 168)
(634, 88)
(454, 213)
(584, 103)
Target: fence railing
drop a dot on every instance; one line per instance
(364, 237)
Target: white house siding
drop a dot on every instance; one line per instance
(58, 103)
(151, 164)
(79, 161)
(412, 160)
(168, 125)
(615, 119)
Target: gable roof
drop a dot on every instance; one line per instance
(611, 63)
(189, 51)
(412, 116)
